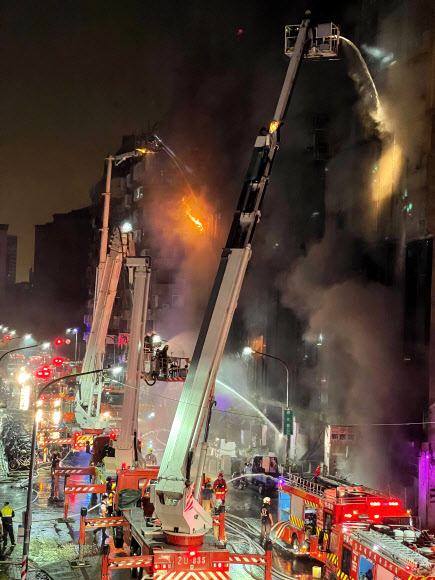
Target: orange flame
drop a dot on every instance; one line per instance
(196, 221)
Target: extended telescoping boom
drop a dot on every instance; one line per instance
(175, 506)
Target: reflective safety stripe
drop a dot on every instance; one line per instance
(198, 575)
(297, 522)
(311, 504)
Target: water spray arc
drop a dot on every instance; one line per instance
(367, 74)
(253, 407)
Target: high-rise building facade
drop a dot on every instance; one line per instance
(3, 259)
(11, 260)
(151, 193)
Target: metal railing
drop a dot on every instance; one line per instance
(305, 485)
(166, 368)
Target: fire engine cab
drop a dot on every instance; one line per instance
(364, 553)
(355, 531)
(308, 511)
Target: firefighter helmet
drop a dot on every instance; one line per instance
(150, 450)
(266, 500)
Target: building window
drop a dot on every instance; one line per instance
(342, 436)
(165, 277)
(334, 436)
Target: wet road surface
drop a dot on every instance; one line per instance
(54, 541)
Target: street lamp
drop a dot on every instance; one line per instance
(15, 349)
(249, 350)
(74, 331)
(126, 228)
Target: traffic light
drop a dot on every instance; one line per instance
(58, 361)
(8, 337)
(59, 341)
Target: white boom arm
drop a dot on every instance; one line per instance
(140, 274)
(174, 505)
(96, 347)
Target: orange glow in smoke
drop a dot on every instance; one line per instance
(196, 221)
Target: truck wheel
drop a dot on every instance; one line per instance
(295, 543)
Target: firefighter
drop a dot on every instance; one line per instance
(7, 513)
(317, 473)
(207, 498)
(266, 521)
(220, 488)
(150, 458)
(55, 462)
(103, 512)
(164, 360)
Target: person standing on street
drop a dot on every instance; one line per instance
(150, 458)
(103, 512)
(220, 488)
(7, 513)
(207, 498)
(266, 521)
(55, 461)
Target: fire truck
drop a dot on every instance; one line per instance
(355, 531)
(183, 547)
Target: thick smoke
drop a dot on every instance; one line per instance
(341, 287)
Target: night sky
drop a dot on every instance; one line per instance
(78, 75)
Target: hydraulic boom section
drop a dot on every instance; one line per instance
(178, 511)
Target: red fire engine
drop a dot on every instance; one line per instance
(375, 552)
(357, 532)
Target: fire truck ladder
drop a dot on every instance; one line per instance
(305, 485)
(392, 549)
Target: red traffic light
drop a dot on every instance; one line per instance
(59, 341)
(58, 361)
(8, 337)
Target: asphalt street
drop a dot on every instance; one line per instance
(54, 541)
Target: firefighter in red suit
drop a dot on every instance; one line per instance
(220, 488)
(317, 473)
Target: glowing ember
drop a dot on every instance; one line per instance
(196, 221)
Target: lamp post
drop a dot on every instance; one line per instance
(249, 350)
(15, 349)
(75, 332)
(28, 513)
